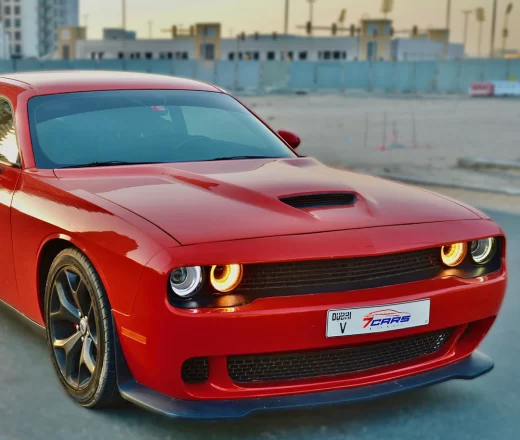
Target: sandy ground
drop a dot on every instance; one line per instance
(422, 137)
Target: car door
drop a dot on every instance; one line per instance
(9, 174)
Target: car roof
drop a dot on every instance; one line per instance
(46, 83)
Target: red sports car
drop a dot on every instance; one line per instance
(180, 255)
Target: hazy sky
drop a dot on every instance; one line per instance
(267, 16)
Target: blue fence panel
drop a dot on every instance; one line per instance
(383, 75)
(426, 76)
(495, 70)
(470, 71)
(405, 76)
(56, 65)
(249, 75)
(204, 71)
(225, 74)
(448, 76)
(185, 69)
(139, 66)
(85, 65)
(302, 75)
(357, 75)
(26, 65)
(274, 75)
(513, 69)
(164, 67)
(330, 75)
(6, 66)
(112, 64)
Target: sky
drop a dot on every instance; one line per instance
(266, 16)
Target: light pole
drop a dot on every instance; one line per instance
(481, 18)
(448, 21)
(493, 28)
(311, 12)
(466, 13)
(505, 32)
(286, 20)
(123, 14)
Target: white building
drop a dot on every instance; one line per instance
(32, 25)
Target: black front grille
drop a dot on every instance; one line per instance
(319, 200)
(195, 370)
(315, 364)
(345, 271)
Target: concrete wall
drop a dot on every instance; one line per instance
(403, 76)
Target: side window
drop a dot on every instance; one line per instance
(8, 147)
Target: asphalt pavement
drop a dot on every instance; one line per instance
(33, 406)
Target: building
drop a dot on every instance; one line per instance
(33, 25)
(68, 36)
(203, 41)
(5, 51)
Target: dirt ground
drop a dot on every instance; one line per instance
(414, 137)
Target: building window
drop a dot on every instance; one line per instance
(185, 55)
(344, 55)
(121, 55)
(138, 55)
(100, 55)
(162, 55)
(65, 52)
(17, 36)
(92, 55)
(17, 10)
(148, 55)
(271, 56)
(169, 55)
(320, 55)
(8, 145)
(7, 10)
(336, 55)
(326, 55)
(291, 55)
(256, 56)
(302, 55)
(231, 56)
(7, 23)
(240, 56)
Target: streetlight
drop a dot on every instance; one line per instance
(481, 18)
(466, 16)
(311, 12)
(505, 32)
(123, 14)
(493, 27)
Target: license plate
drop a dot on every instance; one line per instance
(364, 320)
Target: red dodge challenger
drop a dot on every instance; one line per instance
(177, 253)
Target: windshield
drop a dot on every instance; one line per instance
(145, 126)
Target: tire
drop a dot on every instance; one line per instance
(80, 331)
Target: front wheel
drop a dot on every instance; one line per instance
(80, 330)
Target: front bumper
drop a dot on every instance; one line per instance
(469, 368)
(157, 338)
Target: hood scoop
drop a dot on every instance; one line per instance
(320, 200)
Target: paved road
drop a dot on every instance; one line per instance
(32, 406)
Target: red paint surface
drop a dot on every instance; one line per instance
(136, 223)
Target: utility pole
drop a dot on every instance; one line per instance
(311, 12)
(123, 14)
(448, 22)
(286, 21)
(150, 29)
(505, 31)
(493, 28)
(466, 13)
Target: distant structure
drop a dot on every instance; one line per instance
(372, 39)
(32, 25)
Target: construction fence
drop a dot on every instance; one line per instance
(270, 76)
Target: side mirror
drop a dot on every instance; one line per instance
(290, 138)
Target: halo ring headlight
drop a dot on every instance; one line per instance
(483, 250)
(454, 254)
(186, 281)
(226, 278)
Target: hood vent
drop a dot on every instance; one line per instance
(319, 200)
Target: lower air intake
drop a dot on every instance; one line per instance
(195, 370)
(323, 363)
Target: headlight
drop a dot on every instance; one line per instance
(483, 250)
(226, 278)
(454, 254)
(185, 281)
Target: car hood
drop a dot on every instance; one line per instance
(229, 200)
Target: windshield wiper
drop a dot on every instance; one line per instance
(108, 163)
(241, 157)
